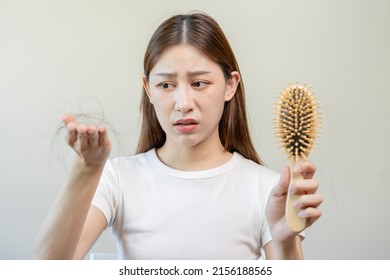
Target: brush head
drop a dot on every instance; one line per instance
(297, 120)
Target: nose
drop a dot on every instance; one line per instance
(184, 102)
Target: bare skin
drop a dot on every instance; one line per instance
(73, 225)
(286, 244)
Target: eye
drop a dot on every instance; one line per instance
(165, 85)
(198, 84)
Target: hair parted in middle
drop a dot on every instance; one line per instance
(202, 32)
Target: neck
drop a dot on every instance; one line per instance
(194, 158)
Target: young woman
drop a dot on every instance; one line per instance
(196, 188)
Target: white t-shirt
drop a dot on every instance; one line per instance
(157, 212)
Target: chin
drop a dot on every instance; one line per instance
(187, 140)
(188, 143)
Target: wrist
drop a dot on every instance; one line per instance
(81, 166)
(84, 176)
(289, 249)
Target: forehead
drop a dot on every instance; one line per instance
(184, 58)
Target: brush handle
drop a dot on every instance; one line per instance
(296, 223)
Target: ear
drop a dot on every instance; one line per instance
(231, 85)
(146, 86)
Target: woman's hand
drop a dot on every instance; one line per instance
(64, 232)
(91, 143)
(307, 204)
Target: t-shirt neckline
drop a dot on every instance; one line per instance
(201, 174)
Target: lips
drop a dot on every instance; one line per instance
(186, 122)
(186, 125)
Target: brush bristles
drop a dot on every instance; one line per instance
(297, 120)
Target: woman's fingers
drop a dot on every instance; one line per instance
(72, 133)
(311, 215)
(306, 168)
(82, 131)
(93, 137)
(90, 142)
(66, 118)
(308, 207)
(71, 124)
(308, 186)
(309, 200)
(87, 136)
(103, 137)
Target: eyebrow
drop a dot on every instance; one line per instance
(174, 74)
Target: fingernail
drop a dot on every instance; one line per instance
(71, 126)
(302, 214)
(298, 169)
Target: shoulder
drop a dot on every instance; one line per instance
(135, 168)
(133, 161)
(260, 177)
(255, 168)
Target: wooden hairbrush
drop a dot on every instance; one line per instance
(296, 126)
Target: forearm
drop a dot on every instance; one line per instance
(61, 231)
(288, 250)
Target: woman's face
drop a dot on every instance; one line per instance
(188, 92)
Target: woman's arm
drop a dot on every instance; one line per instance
(73, 225)
(94, 225)
(285, 243)
(287, 251)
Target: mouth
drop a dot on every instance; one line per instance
(186, 125)
(186, 122)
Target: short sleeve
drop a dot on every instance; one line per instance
(107, 193)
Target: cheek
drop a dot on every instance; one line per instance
(214, 109)
(161, 107)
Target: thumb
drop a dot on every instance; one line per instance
(282, 187)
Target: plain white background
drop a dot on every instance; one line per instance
(86, 57)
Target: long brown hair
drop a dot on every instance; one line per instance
(203, 32)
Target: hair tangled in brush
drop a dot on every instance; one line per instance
(297, 120)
